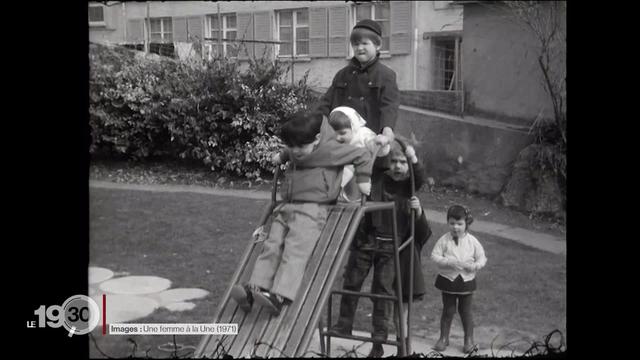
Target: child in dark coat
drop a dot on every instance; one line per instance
(389, 183)
(365, 84)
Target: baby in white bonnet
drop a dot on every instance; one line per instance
(350, 128)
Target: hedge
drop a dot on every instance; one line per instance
(211, 112)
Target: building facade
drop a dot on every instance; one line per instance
(421, 39)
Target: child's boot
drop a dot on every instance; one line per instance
(467, 326)
(441, 345)
(243, 295)
(443, 342)
(270, 301)
(469, 345)
(376, 351)
(341, 330)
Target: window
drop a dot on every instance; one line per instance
(96, 15)
(161, 30)
(228, 31)
(380, 12)
(293, 28)
(447, 65)
(163, 49)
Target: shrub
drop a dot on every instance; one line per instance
(211, 112)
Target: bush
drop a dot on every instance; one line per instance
(206, 111)
(551, 152)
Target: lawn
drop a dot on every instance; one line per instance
(195, 240)
(169, 172)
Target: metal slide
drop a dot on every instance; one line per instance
(289, 334)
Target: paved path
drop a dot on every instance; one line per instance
(530, 238)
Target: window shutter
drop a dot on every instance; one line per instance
(195, 28)
(400, 27)
(318, 32)
(107, 14)
(135, 31)
(180, 29)
(338, 32)
(244, 22)
(262, 23)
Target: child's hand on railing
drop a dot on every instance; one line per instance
(382, 140)
(388, 132)
(258, 233)
(384, 143)
(414, 203)
(411, 154)
(365, 187)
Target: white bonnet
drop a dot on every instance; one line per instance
(356, 120)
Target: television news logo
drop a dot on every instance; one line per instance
(79, 315)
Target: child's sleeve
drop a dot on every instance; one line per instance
(389, 102)
(422, 230)
(437, 254)
(348, 154)
(478, 255)
(363, 163)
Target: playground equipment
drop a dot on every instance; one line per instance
(289, 334)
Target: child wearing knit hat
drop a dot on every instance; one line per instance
(365, 84)
(369, 87)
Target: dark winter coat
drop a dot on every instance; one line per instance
(372, 91)
(384, 188)
(316, 177)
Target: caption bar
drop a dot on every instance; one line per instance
(173, 329)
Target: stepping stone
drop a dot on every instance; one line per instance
(178, 295)
(135, 285)
(98, 274)
(179, 306)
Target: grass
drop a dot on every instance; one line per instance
(180, 173)
(521, 296)
(190, 239)
(195, 240)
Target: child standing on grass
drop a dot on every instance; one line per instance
(350, 129)
(395, 184)
(312, 184)
(459, 255)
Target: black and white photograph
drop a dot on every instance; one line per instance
(286, 179)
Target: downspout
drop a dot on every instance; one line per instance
(124, 19)
(415, 46)
(461, 80)
(148, 28)
(220, 50)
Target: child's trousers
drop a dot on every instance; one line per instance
(358, 266)
(294, 232)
